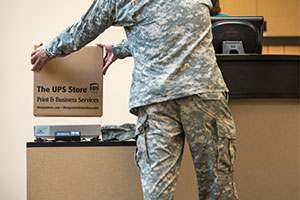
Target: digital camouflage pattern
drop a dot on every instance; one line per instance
(176, 89)
(171, 42)
(206, 121)
(123, 132)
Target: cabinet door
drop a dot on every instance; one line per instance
(282, 16)
(238, 7)
(276, 50)
(292, 50)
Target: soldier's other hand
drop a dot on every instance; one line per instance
(39, 58)
(109, 57)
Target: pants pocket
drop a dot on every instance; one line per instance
(142, 158)
(226, 146)
(215, 105)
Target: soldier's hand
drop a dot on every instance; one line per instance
(109, 57)
(39, 58)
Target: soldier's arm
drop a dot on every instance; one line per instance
(121, 49)
(99, 17)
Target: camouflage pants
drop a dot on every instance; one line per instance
(206, 121)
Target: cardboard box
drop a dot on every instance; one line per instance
(70, 86)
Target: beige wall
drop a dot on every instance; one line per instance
(23, 24)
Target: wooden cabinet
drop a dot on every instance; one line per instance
(281, 50)
(282, 16)
(238, 7)
(292, 50)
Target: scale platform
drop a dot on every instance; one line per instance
(67, 132)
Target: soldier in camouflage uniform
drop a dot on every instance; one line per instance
(177, 89)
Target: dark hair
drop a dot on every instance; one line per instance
(216, 8)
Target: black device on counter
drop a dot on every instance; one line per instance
(237, 35)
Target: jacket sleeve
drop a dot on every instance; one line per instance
(99, 17)
(121, 49)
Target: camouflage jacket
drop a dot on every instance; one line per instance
(170, 41)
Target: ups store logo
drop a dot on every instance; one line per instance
(94, 87)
